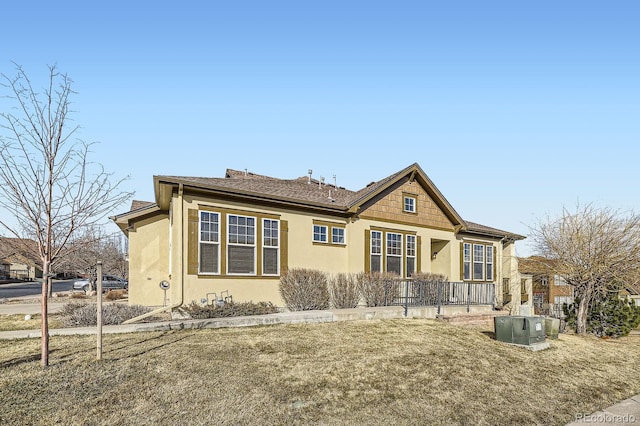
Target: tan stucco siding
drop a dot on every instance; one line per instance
(390, 208)
(443, 240)
(153, 258)
(301, 253)
(148, 260)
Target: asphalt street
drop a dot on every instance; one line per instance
(34, 288)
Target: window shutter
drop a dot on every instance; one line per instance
(284, 246)
(192, 242)
(461, 261)
(418, 254)
(367, 250)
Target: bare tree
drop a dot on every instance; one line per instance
(84, 251)
(47, 184)
(596, 250)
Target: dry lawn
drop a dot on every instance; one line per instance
(17, 322)
(401, 372)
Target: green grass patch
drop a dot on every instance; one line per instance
(401, 372)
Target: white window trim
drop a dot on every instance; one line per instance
(474, 262)
(344, 235)
(271, 247)
(415, 251)
(371, 253)
(313, 233)
(469, 261)
(200, 242)
(404, 204)
(386, 251)
(489, 249)
(254, 245)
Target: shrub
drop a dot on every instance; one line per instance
(612, 317)
(115, 295)
(85, 315)
(78, 295)
(377, 289)
(196, 311)
(304, 289)
(344, 292)
(425, 290)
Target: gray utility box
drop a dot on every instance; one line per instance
(519, 329)
(552, 327)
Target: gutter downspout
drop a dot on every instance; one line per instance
(181, 302)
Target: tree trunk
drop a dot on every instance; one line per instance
(583, 310)
(44, 361)
(49, 287)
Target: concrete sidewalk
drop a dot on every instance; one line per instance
(626, 412)
(270, 319)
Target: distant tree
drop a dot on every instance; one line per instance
(82, 254)
(47, 183)
(596, 250)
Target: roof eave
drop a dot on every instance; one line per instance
(164, 189)
(504, 235)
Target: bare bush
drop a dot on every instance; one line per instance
(304, 289)
(424, 290)
(78, 295)
(85, 315)
(377, 289)
(344, 292)
(116, 295)
(196, 311)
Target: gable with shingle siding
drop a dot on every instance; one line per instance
(389, 207)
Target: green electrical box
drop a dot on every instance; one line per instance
(528, 330)
(503, 328)
(552, 327)
(519, 329)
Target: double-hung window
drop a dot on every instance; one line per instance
(209, 246)
(478, 261)
(466, 261)
(241, 244)
(411, 255)
(489, 264)
(270, 246)
(394, 253)
(376, 251)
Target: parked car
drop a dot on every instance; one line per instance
(109, 282)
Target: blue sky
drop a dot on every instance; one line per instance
(514, 109)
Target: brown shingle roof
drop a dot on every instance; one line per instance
(482, 229)
(139, 205)
(307, 191)
(264, 186)
(19, 251)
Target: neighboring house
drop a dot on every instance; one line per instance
(18, 261)
(548, 288)
(239, 233)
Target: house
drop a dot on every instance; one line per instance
(549, 288)
(18, 260)
(205, 236)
